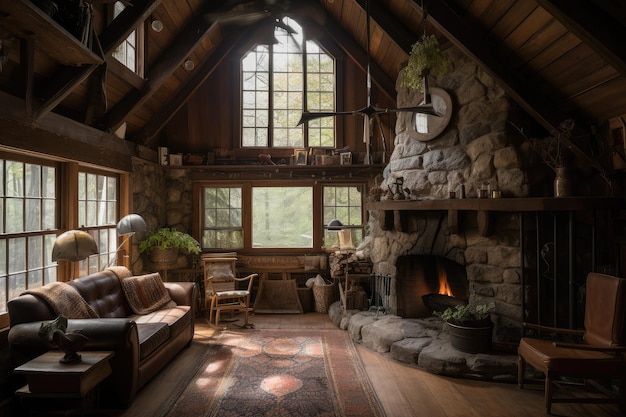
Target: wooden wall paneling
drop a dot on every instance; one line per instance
(547, 35)
(494, 13)
(553, 51)
(525, 31)
(518, 12)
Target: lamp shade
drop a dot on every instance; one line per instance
(131, 223)
(74, 245)
(335, 225)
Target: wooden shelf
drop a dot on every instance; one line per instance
(396, 211)
(287, 171)
(25, 20)
(500, 204)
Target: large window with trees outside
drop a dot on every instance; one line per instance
(274, 95)
(28, 198)
(98, 213)
(282, 217)
(269, 215)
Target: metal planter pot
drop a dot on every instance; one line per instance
(471, 339)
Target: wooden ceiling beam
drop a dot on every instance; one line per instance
(593, 26)
(390, 25)
(60, 137)
(186, 90)
(530, 100)
(181, 47)
(63, 84)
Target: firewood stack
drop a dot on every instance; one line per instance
(343, 261)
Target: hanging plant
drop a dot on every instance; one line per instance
(425, 58)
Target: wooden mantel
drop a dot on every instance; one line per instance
(392, 209)
(501, 204)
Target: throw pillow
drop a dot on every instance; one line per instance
(146, 293)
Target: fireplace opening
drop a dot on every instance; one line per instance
(426, 279)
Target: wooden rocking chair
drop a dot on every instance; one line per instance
(221, 292)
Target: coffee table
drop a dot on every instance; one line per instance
(49, 379)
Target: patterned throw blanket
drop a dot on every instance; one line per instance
(64, 300)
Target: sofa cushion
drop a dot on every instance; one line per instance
(146, 293)
(151, 336)
(103, 292)
(177, 318)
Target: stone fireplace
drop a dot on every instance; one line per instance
(472, 151)
(546, 248)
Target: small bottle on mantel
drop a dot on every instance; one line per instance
(462, 191)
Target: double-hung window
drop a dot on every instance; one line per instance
(28, 225)
(279, 81)
(343, 203)
(98, 213)
(222, 221)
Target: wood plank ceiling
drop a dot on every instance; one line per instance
(555, 58)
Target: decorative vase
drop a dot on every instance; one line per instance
(471, 339)
(562, 182)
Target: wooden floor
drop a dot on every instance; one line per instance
(404, 391)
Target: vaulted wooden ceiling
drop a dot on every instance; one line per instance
(555, 58)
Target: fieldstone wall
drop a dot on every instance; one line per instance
(473, 150)
(163, 197)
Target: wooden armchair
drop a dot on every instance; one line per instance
(599, 358)
(221, 288)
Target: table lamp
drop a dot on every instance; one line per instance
(344, 235)
(73, 246)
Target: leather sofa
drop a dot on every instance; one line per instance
(143, 343)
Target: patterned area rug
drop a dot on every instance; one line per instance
(279, 373)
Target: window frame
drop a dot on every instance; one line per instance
(46, 263)
(140, 33)
(306, 127)
(318, 226)
(99, 261)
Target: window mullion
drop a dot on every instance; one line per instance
(270, 99)
(305, 104)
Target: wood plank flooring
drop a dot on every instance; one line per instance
(404, 390)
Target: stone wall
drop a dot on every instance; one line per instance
(473, 150)
(163, 197)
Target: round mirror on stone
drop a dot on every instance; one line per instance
(424, 127)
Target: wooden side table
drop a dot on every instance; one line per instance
(48, 378)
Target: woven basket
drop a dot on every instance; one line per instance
(324, 296)
(164, 256)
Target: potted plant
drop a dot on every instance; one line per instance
(426, 58)
(164, 244)
(470, 327)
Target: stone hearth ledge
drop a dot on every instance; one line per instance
(423, 343)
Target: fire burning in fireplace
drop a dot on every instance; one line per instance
(444, 285)
(435, 278)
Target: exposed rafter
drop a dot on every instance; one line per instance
(593, 26)
(182, 46)
(63, 84)
(185, 91)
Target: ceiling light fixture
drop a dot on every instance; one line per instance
(156, 25)
(189, 65)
